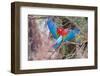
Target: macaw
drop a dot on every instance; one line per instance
(61, 34)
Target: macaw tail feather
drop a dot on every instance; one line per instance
(57, 43)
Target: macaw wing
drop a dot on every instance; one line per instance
(58, 42)
(72, 34)
(69, 36)
(52, 28)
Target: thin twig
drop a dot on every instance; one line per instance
(69, 42)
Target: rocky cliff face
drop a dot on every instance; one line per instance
(39, 47)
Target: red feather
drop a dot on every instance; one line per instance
(62, 31)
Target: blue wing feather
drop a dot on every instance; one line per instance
(52, 27)
(72, 34)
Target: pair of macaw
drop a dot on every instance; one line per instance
(61, 34)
